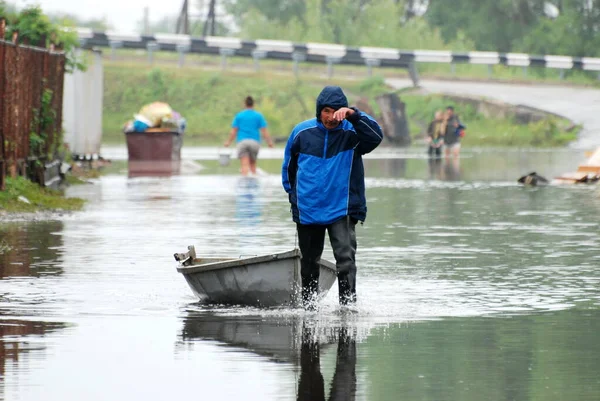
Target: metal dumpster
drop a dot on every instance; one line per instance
(154, 152)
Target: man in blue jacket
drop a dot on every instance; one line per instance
(323, 175)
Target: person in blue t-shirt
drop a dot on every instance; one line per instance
(247, 127)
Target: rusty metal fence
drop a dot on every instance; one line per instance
(26, 74)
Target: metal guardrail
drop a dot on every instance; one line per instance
(329, 54)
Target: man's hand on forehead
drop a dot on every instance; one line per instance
(342, 113)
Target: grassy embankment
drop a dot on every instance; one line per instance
(34, 198)
(209, 99)
(445, 71)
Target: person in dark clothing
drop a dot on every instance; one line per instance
(453, 133)
(323, 175)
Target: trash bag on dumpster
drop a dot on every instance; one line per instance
(156, 117)
(176, 122)
(156, 112)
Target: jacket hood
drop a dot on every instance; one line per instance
(331, 96)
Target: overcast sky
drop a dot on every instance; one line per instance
(121, 14)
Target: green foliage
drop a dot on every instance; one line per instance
(41, 128)
(36, 29)
(36, 143)
(574, 32)
(458, 25)
(274, 10)
(521, 25)
(349, 22)
(483, 131)
(32, 25)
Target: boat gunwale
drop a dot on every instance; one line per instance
(239, 262)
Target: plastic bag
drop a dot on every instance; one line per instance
(156, 112)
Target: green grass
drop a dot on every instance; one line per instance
(464, 71)
(39, 198)
(483, 131)
(209, 100)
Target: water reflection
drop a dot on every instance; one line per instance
(14, 344)
(436, 260)
(550, 356)
(475, 165)
(298, 340)
(452, 169)
(311, 385)
(30, 249)
(276, 340)
(154, 168)
(247, 203)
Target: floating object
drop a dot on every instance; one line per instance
(267, 280)
(533, 179)
(587, 173)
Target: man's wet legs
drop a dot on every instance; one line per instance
(311, 239)
(342, 235)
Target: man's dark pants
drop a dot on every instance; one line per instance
(342, 235)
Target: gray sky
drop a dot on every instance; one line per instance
(122, 14)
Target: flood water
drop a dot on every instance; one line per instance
(470, 287)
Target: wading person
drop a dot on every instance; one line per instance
(435, 135)
(454, 131)
(323, 175)
(246, 128)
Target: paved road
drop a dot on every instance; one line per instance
(581, 105)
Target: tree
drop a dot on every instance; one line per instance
(575, 32)
(33, 27)
(492, 25)
(380, 23)
(275, 11)
(36, 29)
(7, 9)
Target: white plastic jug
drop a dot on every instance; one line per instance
(224, 157)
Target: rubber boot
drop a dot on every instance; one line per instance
(347, 292)
(309, 294)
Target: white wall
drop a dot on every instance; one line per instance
(82, 108)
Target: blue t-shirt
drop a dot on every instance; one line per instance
(248, 122)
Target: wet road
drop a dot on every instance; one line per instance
(576, 103)
(470, 288)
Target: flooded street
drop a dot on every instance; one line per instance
(470, 287)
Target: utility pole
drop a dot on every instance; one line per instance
(146, 21)
(183, 21)
(210, 19)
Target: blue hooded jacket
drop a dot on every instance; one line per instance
(322, 170)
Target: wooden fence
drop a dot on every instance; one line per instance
(27, 76)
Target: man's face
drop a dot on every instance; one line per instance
(327, 118)
(449, 113)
